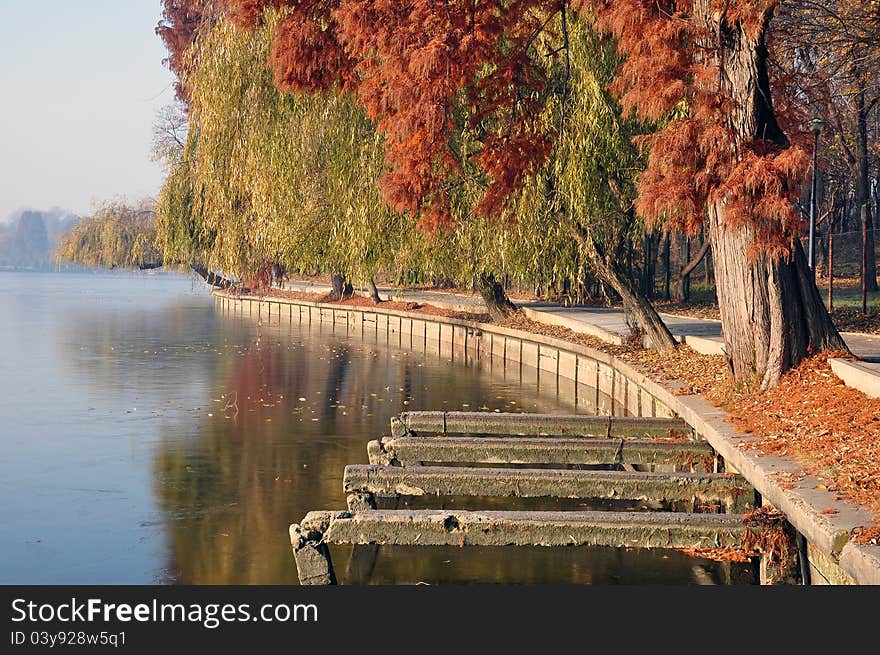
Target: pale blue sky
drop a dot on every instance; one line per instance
(80, 83)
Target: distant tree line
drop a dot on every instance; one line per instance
(28, 240)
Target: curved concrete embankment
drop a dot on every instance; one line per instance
(598, 377)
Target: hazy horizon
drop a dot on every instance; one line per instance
(82, 85)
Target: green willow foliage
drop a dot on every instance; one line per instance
(595, 164)
(115, 235)
(273, 177)
(292, 179)
(587, 183)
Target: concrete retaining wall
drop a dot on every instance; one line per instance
(584, 376)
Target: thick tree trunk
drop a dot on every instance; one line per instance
(771, 311)
(374, 292)
(496, 299)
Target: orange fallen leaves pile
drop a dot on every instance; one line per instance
(361, 301)
(832, 429)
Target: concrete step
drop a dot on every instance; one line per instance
(694, 456)
(684, 490)
(571, 425)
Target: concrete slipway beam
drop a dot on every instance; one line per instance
(732, 491)
(509, 423)
(504, 528)
(409, 451)
(508, 528)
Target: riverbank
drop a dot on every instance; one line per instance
(821, 503)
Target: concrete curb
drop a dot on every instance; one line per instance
(704, 345)
(857, 375)
(572, 324)
(803, 503)
(861, 562)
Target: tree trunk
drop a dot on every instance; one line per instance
(862, 188)
(634, 302)
(771, 310)
(496, 299)
(684, 288)
(707, 262)
(650, 267)
(831, 266)
(342, 288)
(667, 267)
(772, 313)
(374, 292)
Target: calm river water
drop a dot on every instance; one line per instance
(147, 438)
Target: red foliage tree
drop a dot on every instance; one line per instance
(719, 157)
(178, 29)
(425, 71)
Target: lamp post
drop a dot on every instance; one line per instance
(815, 125)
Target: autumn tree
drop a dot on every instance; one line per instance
(273, 178)
(721, 159)
(170, 128)
(458, 93)
(470, 69)
(589, 183)
(179, 27)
